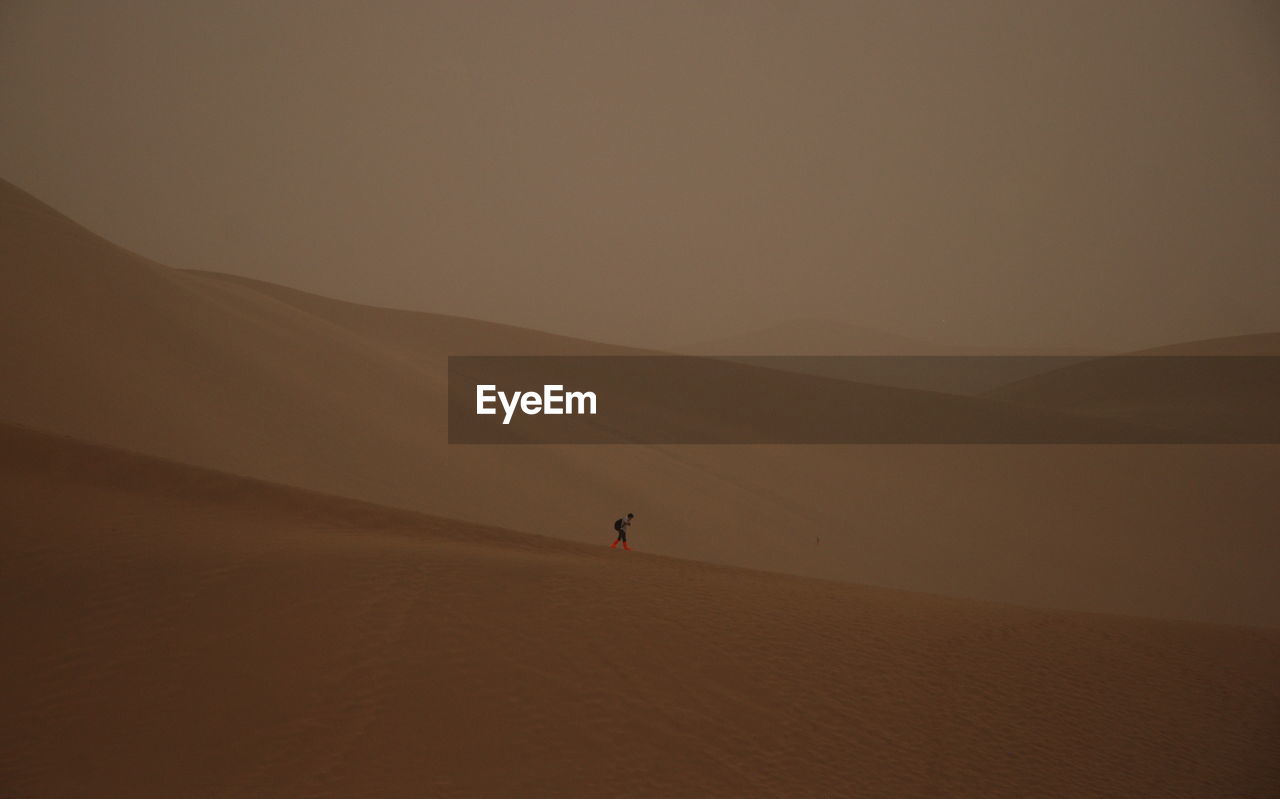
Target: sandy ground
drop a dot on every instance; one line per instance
(172, 631)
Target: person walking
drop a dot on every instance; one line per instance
(620, 526)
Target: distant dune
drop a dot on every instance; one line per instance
(1256, 344)
(831, 337)
(1227, 385)
(813, 337)
(267, 382)
(884, 358)
(173, 631)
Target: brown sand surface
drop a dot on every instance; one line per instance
(263, 381)
(174, 631)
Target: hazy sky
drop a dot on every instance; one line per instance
(998, 172)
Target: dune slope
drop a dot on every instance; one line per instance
(173, 631)
(264, 381)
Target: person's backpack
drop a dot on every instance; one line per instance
(618, 525)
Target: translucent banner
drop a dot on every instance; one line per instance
(864, 400)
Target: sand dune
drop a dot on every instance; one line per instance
(267, 382)
(172, 631)
(830, 337)
(1257, 344)
(1220, 386)
(856, 353)
(813, 337)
